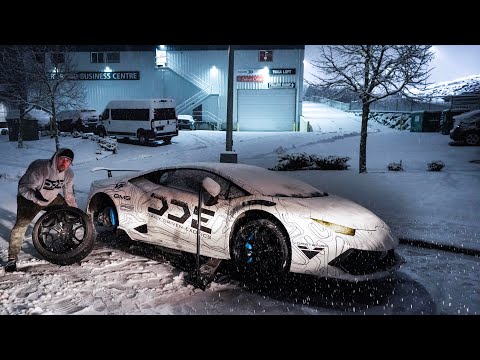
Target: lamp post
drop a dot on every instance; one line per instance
(229, 156)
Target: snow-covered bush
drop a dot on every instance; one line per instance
(395, 166)
(436, 165)
(304, 161)
(399, 121)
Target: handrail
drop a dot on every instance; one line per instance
(194, 79)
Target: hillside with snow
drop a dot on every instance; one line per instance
(469, 84)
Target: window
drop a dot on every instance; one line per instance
(164, 114)
(113, 57)
(58, 58)
(40, 58)
(265, 55)
(130, 114)
(106, 114)
(96, 57)
(190, 180)
(104, 57)
(160, 58)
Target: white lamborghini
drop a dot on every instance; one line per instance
(264, 222)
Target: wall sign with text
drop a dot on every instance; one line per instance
(281, 71)
(100, 75)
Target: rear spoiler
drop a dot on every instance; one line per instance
(109, 171)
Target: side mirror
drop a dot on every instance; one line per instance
(213, 189)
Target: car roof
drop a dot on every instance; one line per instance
(185, 117)
(467, 116)
(256, 179)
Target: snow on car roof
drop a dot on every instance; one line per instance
(259, 180)
(467, 116)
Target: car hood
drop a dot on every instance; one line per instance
(341, 211)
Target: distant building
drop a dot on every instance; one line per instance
(267, 92)
(465, 101)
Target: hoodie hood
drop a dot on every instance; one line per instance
(62, 152)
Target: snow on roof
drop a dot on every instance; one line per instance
(259, 180)
(35, 114)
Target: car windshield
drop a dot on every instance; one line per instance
(269, 183)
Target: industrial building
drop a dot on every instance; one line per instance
(267, 81)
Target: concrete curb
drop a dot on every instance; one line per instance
(443, 247)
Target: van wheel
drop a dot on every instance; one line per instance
(167, 140)
(101, 132)
(142, 139)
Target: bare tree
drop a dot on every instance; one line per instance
(373, 72)
(14, 80)
(41, 76)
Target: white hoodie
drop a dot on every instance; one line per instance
(42, 179)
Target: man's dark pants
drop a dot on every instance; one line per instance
(26, 212)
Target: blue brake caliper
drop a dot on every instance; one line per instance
(249, 247)
(112, 217)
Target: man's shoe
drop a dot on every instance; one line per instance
(11, 266)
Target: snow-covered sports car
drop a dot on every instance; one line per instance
(265, 222)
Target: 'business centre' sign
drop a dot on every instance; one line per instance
(100, 75)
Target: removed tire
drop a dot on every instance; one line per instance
(64, 235)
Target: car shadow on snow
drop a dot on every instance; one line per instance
(397, 294)
(394, 295)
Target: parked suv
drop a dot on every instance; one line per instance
(186, 122)
(466, 128)
(84, 120)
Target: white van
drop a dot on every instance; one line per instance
(143, 120)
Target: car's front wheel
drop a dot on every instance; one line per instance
(472, 139)
(260, 249)
(64, 235)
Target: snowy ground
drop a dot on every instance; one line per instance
(440, 207)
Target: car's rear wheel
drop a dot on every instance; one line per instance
(105, 220)
(472, 139)
(260, 249)
(64, 235)
(167, 140)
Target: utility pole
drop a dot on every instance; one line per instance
(229, 156)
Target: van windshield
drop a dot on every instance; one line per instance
(164, 114)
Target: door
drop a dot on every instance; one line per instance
(266, 110)
(173, 213)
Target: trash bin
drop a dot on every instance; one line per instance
(446, 121)
(425, 121)
(29, 129)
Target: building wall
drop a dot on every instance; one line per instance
(248, 60)
(188, 72)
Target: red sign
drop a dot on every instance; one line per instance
(250, 78)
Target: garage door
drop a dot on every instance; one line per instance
(266, 110)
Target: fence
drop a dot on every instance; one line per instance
(385, 105)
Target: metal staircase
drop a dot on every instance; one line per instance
(206, 89)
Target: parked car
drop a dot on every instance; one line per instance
(186, 122)
(85, 120)
(467, 128)
(262, 222)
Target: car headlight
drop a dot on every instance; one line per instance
(337, 228)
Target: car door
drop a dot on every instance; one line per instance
(173, 212)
